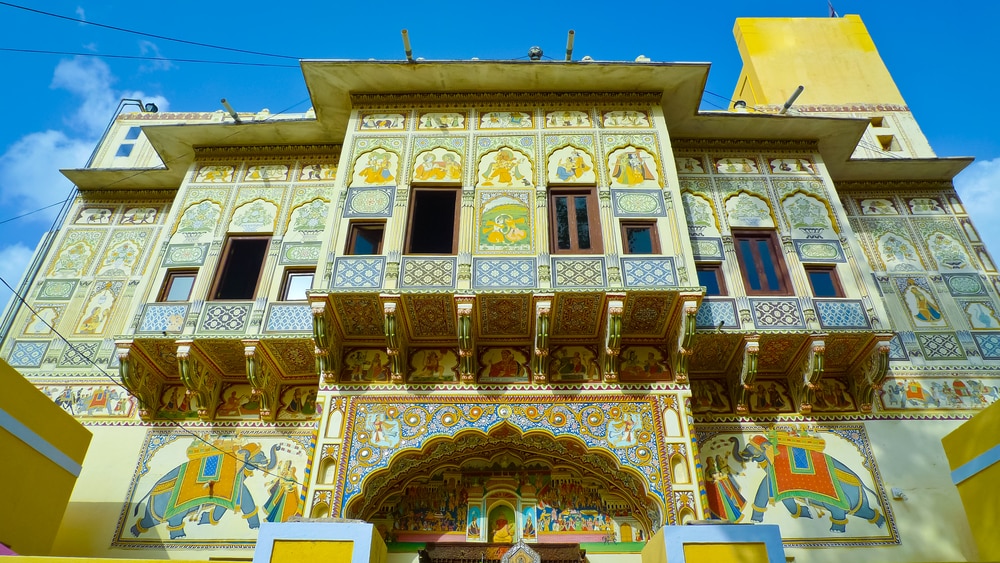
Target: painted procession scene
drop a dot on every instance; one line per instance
(816, 483)
(213, 489)
(92, 401)
(902, 393)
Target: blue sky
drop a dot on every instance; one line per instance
(942, 56)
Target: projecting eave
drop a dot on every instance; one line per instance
(331, 83)
(899, 169)
(175, 145)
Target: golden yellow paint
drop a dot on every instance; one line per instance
(293, 551)
(725, 553)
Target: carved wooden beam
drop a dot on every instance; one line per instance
(202, 380)
(393, 345)
(143, 382)
(748, 373)
(685, 335)
(466, 346)
(803, 383)
(870, 374)
(540, 358)
(325, 350)
(265, 382)
(613, 336)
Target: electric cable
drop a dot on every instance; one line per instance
(33, 211)
(142, 58)
(143, 34)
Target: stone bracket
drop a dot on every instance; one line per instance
(325, 350)
(466, 346)
(202, 380)
(686, 329)
(613, 337)
(540, 356)
(870, 374)
(803, 384)
(263, 378)
(394, 346)
(141, 380)
(748, 373)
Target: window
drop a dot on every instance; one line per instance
(761, 263)
(365, 238)
(710, 276)
(824, 281)
(889, 143)
(639, 237)
(574, 222)
(433, 221)
(877, 121)
(177, 285)
(240, 267)
(124, 149)
(296, 283)
(132, 133)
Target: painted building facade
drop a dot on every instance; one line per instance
(492, 301)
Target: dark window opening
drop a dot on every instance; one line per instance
(132, 133)
(365, 238)
(824, 282)
(710, 276)
(242, 262)
(761, 263)
(640, 237)
(575, 224)
(433, 218)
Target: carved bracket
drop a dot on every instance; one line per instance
(325, 349)
(199, 376)
(613, 337)
(143, 382)
(748, 373)
(870, 374)
(687, 326)
(263, 378)
(540, 358)
(803, 384)
(393, 340)
(466, 346)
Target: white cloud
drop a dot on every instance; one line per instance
(13, 261)
(80, 13)
(148, 48)
(979, 188)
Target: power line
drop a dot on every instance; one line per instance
(34, 211)
(141, 58)
(143, 34)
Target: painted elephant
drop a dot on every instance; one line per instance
(800, 475)
(212, 479)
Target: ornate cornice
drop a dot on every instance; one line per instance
(744, 144)
(908, 185)
(268, 150)
(501, 99)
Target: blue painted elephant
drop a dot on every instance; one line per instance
(800, 475)
(212, 479)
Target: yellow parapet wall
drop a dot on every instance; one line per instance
(779, 54)
(973, 451)
(44, 447)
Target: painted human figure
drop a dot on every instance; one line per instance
(508, 366)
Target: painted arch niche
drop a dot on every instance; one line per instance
(504, 486)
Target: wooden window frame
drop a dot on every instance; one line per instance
(780, 268)
(352, 236)
(168, 282)
(654, 236)
(834, 280)
(720, 278)
(593, 221)
(220, 268)
(286, 281)
(455, 225)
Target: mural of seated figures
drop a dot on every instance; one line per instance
(577, 364)
(377, 167)
(504, 365)
(505, 167)
(571, 165)
(437, 166)
(365, 365)
(633, 167)
(643, 363)
(433, 365)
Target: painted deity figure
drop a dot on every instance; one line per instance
(504, 169)
(631, 169)
(283, 500)
(508, 366)
(571, 166)
(378, 169)
(921, 304)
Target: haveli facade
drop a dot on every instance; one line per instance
(492, 301)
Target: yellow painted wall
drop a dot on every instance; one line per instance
(979, 493)
(834, 58)
(293, 551)
(720, 552)
(35, 489)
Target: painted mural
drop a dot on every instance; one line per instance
(377, 167)
(139, 216)
(433, 365)
(214, 488)
(920, 302)
(237, 402)
(94, 216)
(98, 307)
(771, 397)
(438, 166)
(298, 402)
(266, 173)
(902, 393)
(505, 167)
(819, 483)
(625, 119)
(316, 172)
(505, 120)
(573, 364)
(365, 365)
(567, 119)
(382, 122)
(215, 173)
(505, 225)
(633, 167)
(643, 363)
(441, 121)
(504, 365)
(176, 404)
(571, 165)
(709, 396)
(92, 401)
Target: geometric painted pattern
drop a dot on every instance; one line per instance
(896, 349)
(299, 253)
(646, 314)
(638, 203)
(358, 272)
(717, 314)
(360, 315)
(57, 290)
(648, 272)
(578, 272)
(370, 202)
(504, 315)
(577, 314)
(27, 354)
(163, 317)
(431, 315)
(504, 272)
(989, 344)
(428, 272)
(964, 284)
(289, 318)
(707, 248)
(185, 254)
(820, 251)
(79, 354)
(841, 314)
(777, 313)
(940, 346)
(226, 318)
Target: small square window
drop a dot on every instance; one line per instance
(133, 133)
(433, 225)
(296, 284)
(761, 263)
(574, 221)
(124, 149)
(240, 267)
(824, 282)
(177, 286)
(365, 238)
(640, 237)
(710, 276)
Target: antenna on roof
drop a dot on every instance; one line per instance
(569, 45)
(231, 111)
(406, 46)
(791, 100)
